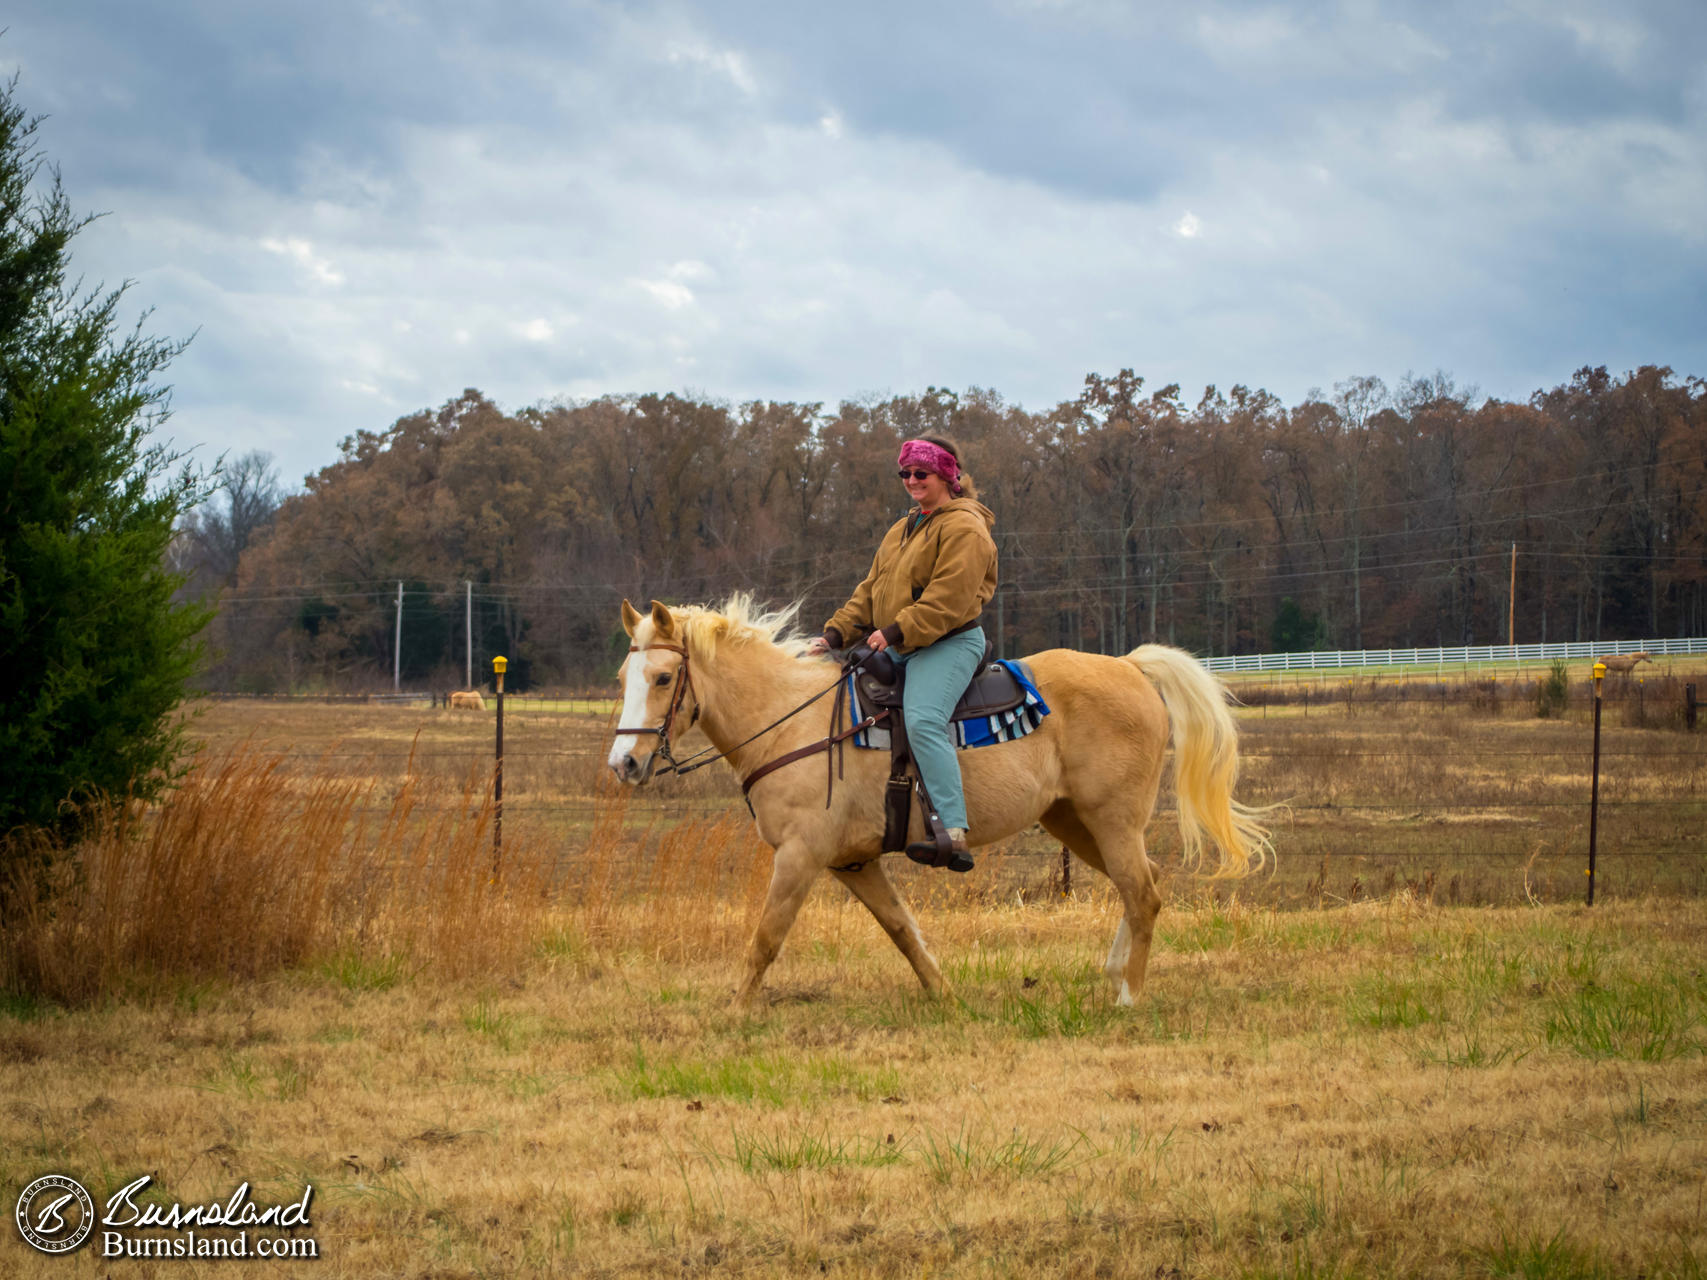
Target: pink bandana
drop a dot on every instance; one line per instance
(922, 453)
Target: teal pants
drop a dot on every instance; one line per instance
(936, 677)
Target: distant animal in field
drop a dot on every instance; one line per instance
(1622, 664)
(470, 701)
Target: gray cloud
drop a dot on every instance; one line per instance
(364, 211)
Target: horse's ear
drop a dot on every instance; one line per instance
(630, 617)
(663, 624)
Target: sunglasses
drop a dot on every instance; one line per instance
(914, 475)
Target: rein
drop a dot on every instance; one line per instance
(685, 684)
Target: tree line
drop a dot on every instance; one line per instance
(1371, 517)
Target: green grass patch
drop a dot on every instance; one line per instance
(1639, 1022)
(1210, 929)
(487, 1020)
(1076, 1010)
(986, 966)
(565, 943)
(23, 1008)
(785, 1150)
(1322, 933)
(1469, 1051)
(242, 1076)
(1302, 1204)
(1385, 1003)
(1532, 1257)
(353, 971)
(972, 1156)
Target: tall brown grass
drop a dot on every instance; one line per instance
(245, 869)
(676, 889)
(250, 867)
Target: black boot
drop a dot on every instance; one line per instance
(949, 851)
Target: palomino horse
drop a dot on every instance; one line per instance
(1622, 664)
(1089, 773)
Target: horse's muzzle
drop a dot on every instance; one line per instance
(630, 771)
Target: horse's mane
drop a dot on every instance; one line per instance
(740, 620)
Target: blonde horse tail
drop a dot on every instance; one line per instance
(1206, 763)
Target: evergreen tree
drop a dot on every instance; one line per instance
(94, 652)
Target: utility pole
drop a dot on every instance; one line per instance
(468, 633)
(397, 647)
(1511, 602)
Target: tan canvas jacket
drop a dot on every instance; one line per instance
(924, 584)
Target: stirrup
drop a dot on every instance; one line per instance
(940, 852)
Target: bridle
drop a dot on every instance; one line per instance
(683, 680)
(684, 685)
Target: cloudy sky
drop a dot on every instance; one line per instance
(361, 207)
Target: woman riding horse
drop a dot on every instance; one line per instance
(933, 573)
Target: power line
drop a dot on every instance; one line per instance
(354, 588)
(516, 593)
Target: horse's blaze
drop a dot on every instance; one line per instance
(639, 692)
(634, 704)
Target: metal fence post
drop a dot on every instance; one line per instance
(498, 666)
(1594, 782)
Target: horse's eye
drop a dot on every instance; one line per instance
(662, 680)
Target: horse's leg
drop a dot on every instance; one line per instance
(1063, 823)
(1117, 850)
(792, 874)
(1134, 875)
(871, 885)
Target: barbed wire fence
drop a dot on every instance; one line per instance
(1527, 809)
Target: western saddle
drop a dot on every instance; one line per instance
(879, 684)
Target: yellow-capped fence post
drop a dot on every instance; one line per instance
(499, 664)
(1594, 778)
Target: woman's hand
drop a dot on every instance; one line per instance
(877, 642)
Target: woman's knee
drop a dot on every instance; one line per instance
(924, 718)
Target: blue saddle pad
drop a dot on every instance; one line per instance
(982, 731)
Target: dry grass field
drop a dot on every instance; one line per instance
(1410, 1052)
